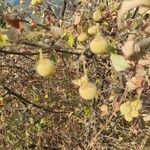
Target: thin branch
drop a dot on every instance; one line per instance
(135, 12)
(38, 24)
(49, 49)
(26, 101)
(62, 12)
(9, 66)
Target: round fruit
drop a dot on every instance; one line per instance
(82, 37)
(128, 117)
(104, 108)
(88, 91)
(134, 113)
(125, 108)
(136, 104)
(98, 45)
(56, 32)
(45, 67)
(35, 2)
(97, 15)
(93, 30)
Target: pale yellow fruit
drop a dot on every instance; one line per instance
(35, 2)
(82, 37)
(136, 104)
(44, 66)
(39, 1)
(98, 45)
(56, 32)
(93, 30)
(88, 91)
(128, 117)
(125, 108)
(97, 15)
(134, 113)
(104, 108)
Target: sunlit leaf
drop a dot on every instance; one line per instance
(87, 110)
(118, 62)
(70, 40)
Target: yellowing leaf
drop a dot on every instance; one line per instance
(70, 40)
(4, 40)
(118, 62)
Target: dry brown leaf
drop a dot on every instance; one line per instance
(147, 29)
(141, 71)
(131, 86)
(130, 47)
(135, 82)
(77, 19)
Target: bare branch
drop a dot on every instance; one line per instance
(26, 101)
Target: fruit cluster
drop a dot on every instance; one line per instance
(130, 109)
(99, 44)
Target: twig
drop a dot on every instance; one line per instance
(135, 12)
(49, 49)
(142, 144)
(62, 12)
(26, 101)
(9, 66)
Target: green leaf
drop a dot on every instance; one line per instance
(70, 40)
(118, 62)
(53, 58)
(87, 110)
